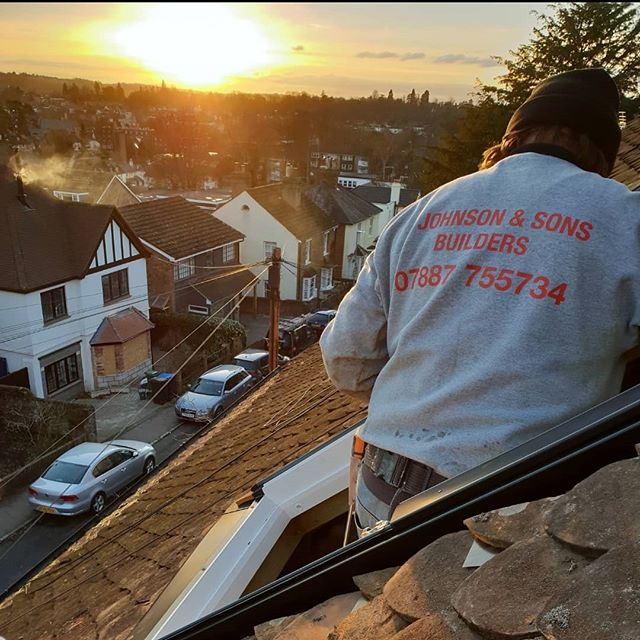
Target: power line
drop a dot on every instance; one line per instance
(4, 480)
(139, 411)
(125, 302)
(88, 555)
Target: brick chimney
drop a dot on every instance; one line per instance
(292, 191)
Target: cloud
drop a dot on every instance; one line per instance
(378, 55)
(381, 55)
(298, 47)
(461, 58)
(412, 56)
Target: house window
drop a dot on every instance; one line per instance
(184, 268)
(307, 251)
(115, 285)
(359, 234)
(325, 243)
(326, 279)
(61, 373)
(228, 253)
(308, 288)
(198, 309)
(371, 221)
(54, 304)
(268, 249)
(358, 263)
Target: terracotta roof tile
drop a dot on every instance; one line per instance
(178, 227)
(110, 578)
(121, 326)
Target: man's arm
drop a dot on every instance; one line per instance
(354, 344)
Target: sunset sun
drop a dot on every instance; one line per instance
(194, 44)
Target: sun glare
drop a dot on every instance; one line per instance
(195, 44)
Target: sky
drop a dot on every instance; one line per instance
(345, 49)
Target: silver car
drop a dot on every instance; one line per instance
(213, 392)
(84, 477)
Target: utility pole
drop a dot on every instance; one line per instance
(274, 308)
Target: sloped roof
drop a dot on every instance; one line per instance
(120, 327)
(562, 568)
(224, 287)
(341, 203)
(47, 242)
(627, 166)
(382, 195)
(303, 221)
(104, 584)
(92, 183)
(118, 194)
(177, 227)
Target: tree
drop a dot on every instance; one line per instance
(575, 35)
(390, 95)
(412, 99)
(424, 98)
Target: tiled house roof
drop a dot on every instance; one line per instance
(47, 241)
(104, 584)
(627, 166)
(120, 327)
(382, 195)
(177, 227)
(563, 568)
(341, 203)
(303, 221)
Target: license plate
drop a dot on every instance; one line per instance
(47, 510)
(189, 414)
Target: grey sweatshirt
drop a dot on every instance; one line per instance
(491, 309)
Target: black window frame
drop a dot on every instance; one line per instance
(61, 373)
(115, 286)
(54, 310)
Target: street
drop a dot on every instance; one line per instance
(160, 427)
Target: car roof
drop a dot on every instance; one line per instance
(222, 372)
(85, 453)
(251, 355)
(324, 312)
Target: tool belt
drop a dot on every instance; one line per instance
(396, 472)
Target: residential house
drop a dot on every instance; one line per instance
(307, 224)
(359, 226)
(193, 257)
(390, 199)
(336, 161)
(64, 269)
(627, 166)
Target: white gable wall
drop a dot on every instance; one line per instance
(24, 338)
(259, 226)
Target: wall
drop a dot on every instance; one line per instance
(258, 225)
(21, 319)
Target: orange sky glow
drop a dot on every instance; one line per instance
(345, 49)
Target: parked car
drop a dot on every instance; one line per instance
(83, 478)
(295, 336)
(320, 319)
(213, 392)
(256, 362)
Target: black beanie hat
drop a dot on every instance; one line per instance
(585, 100)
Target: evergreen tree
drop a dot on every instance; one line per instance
(390, 95)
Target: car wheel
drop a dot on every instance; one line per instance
(149, 465)
(217, 413)
(98, 503)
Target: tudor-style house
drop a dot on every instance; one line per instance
(65, 269)
(193, 257)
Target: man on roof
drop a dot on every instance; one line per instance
(498, 305)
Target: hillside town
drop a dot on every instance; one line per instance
(195, 346)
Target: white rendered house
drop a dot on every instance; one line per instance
(64, 268)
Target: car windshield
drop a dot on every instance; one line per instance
(318, 317)
(207, 387)
(248, 365)
(65, 472)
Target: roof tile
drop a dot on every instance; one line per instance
(177, 227)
